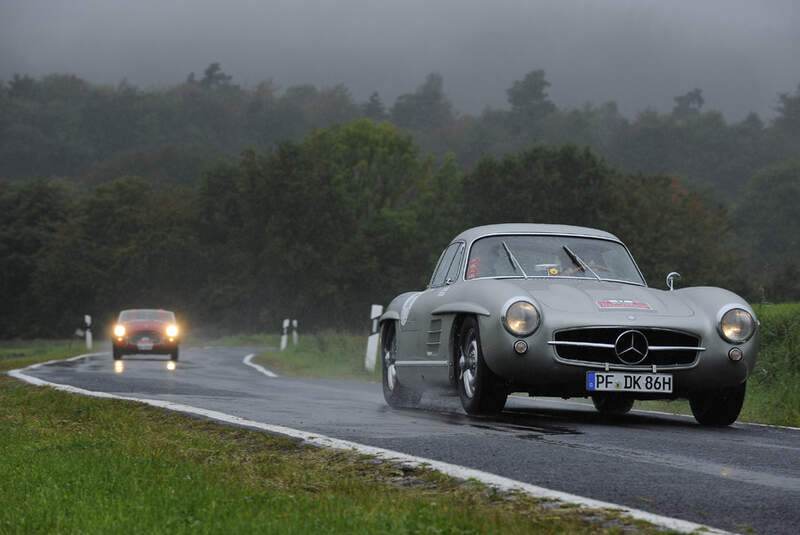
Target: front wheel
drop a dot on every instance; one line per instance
(396, 394)
(718, 407)
(174, 354)
(117, 354)
(480, 390)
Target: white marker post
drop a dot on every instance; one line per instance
(87, 319)
(372, 341)
(285, 333)
(294, 332)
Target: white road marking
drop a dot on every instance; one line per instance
(456, 471)
(258, 367)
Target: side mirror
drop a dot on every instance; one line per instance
(671, 279)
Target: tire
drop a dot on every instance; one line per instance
(718, 407)
(173, 354)
(480, 390)
(116, 353)
(395, 394)
(612, 403)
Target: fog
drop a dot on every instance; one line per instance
(640, 53)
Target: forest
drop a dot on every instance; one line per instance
(239, 206)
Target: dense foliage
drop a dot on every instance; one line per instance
(238, 207)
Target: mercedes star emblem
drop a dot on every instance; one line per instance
(631, 347)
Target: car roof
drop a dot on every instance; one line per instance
(532, 228)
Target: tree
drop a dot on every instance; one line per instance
(528, 97)
(768, 222)
(688, 105)
(213, 77)
(425, 109)
(374, 108)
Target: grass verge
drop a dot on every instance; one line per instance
(73, 464)
(328, 354)
(21, 353)
(239, 340)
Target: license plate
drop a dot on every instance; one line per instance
(145, 345)
(629, 382)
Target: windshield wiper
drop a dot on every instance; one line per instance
(580, 263)
(514, 262)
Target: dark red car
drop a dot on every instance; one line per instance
(146, 331)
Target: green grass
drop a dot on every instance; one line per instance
(327, 354)
(21, 353)
(74, 464)
(241, 340)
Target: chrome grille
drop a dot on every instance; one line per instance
(596, 345)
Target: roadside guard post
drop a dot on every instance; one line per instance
(294, 332)
(372, 341)
(87, 320)
(285, 333)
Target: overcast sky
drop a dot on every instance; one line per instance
(638, 52)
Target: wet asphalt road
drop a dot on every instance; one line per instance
(743, 478)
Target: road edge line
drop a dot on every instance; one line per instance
(452, 470)
(258, 367)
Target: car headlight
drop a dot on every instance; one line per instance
(521, 318)
(172, 330)
(737, 325)
(119, 330)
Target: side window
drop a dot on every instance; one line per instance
(444, 265)
(455, 266)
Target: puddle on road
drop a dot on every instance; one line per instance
(527, 425)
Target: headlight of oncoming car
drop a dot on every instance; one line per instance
(172, 331)
(119, 330)
(737, 325)
(521, 317)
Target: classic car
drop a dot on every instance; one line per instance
(558, 310)
(145, 331)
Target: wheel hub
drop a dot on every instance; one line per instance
(468, 364)
(391, 371)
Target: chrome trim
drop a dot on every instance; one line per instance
(632, 346)
(420, 363)
(727, 308)
(611, 346)
(507, 305)
(582, 344)
(677, 348)
(671, 279)
(441, 256)
(566, 234)
(620, 367)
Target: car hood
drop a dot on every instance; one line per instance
(144, 325)
(590, 296)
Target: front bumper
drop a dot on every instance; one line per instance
(541, 372)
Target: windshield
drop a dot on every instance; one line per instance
(551, 256)
(147, 315)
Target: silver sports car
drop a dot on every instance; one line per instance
(556, 310)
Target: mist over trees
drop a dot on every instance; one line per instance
(239, 206)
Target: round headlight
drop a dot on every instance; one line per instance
(119, 330)
(172, 330)
(737, 325)
(521, 318)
